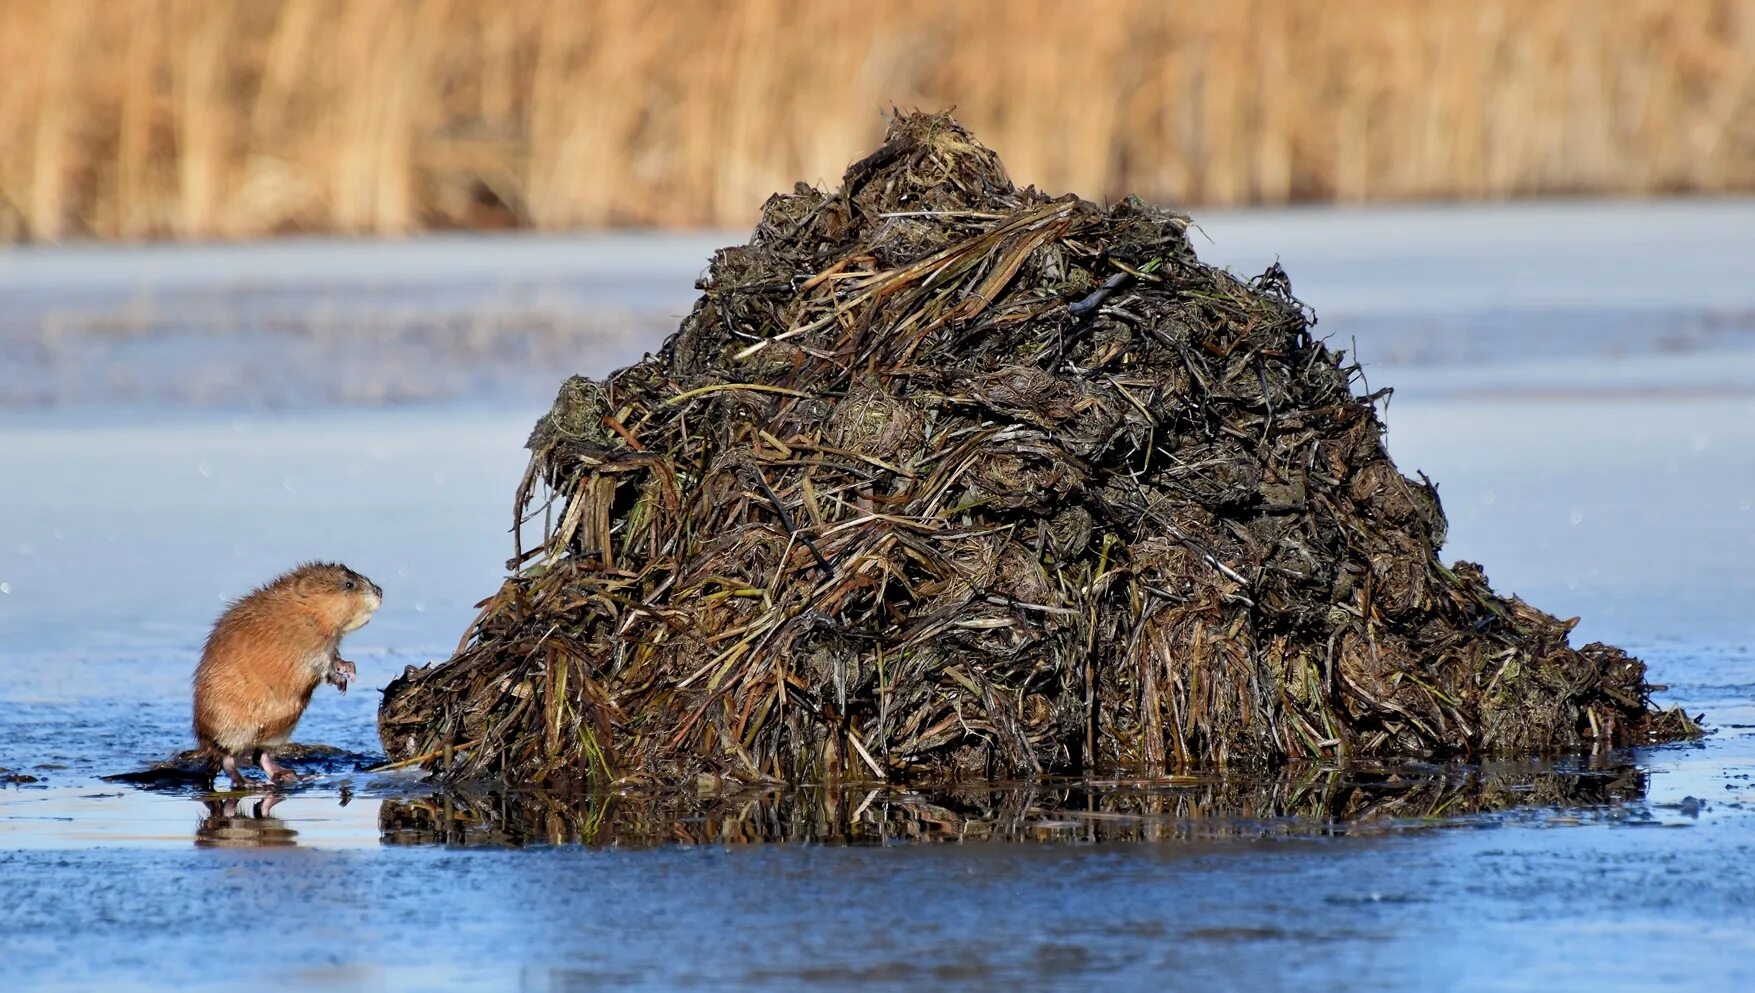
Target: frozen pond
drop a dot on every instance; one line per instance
(1579, 379)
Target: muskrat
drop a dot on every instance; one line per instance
(266, 655)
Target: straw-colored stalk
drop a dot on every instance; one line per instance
(189, 118)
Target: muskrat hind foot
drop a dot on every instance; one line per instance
(230, 764)
(278, 775)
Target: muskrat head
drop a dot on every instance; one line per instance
(345, 597)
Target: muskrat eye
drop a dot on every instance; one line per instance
(347, 585)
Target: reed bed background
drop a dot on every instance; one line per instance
(193, 119)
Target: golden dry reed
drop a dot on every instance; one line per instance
(210, 118)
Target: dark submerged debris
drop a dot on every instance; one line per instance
(947, 478)
(197, 769)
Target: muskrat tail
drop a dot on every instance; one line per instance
(210, 754)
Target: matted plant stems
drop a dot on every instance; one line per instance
(947, 478)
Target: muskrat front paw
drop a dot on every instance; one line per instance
(340, 672)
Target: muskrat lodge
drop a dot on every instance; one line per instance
(943, 478)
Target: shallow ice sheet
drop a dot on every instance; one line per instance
(305, 324)
(1602, 906)
(137, 533)
(121, 540)
(1621, 255)
(1637, 514)
(1577, 378)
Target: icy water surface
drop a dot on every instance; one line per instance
(1597, 454)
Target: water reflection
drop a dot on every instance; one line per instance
(1305, 801)
(244, 822)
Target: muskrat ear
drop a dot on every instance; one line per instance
(311, 582)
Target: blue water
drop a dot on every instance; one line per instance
(1615, 484)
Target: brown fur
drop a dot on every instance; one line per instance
(268, 652)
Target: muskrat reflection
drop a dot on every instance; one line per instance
(243, 822)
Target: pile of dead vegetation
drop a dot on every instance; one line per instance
(943, 477)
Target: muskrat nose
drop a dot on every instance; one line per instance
(377, 591)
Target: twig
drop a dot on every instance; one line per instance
(786, 522)
(717, 387)
(418, 759)
(1095, 298)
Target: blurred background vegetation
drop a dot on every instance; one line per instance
(214, 119)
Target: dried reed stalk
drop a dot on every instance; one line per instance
(169, 118)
